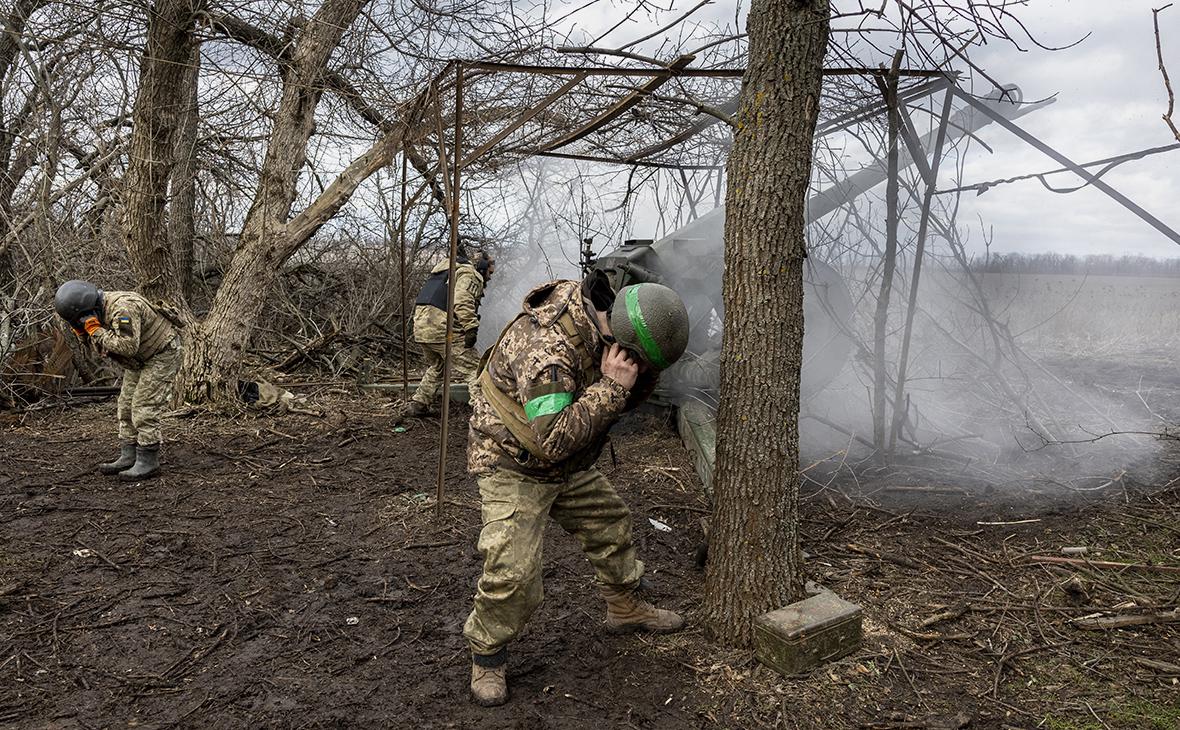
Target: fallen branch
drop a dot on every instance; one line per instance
(896, 559)
(1103, 564)
(1097, 623)
(1165, 667)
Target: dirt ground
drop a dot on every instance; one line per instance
(289, 571)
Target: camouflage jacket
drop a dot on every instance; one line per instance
(132, 330)
(554, 376)
(430, 323)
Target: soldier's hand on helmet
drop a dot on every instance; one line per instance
(91, 324)
(470, 337)
(618, 365)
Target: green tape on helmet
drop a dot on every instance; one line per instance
(650, 349)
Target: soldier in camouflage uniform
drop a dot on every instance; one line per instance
(553, 385)
(430, 326)
(131, 331)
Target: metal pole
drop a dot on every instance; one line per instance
(446, 398)
(1076, 169)
(401, 236)
(923, 226)
(889, 263)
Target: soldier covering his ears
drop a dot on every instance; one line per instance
(560, 375)
(127, 328)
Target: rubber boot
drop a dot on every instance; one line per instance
(626, 611)
(417, 410)
(489, 679)
(126, 459)
(147, 464)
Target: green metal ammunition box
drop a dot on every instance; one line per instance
(802, 635)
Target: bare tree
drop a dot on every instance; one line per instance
(754, 561)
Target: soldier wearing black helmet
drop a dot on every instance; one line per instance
(128, 329)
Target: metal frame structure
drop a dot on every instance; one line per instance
(451, 170)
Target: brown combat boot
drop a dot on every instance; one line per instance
(489, 679)
(626, 611)
(417, 409)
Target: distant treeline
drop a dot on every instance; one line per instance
(1055, 263)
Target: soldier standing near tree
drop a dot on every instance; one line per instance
(560, 375)
(131, 331)
(430, 326)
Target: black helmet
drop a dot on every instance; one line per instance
(483, 264)
(76, 298)
(650, 320)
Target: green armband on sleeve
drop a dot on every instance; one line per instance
(547, 405)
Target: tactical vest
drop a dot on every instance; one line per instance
(434, 291)
(155, 332)
(507, 407)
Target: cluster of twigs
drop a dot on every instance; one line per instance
(987, 619)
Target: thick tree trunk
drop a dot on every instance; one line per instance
(213, 355)
(159, 106)
(182, 228)
(270, 235)
(754, 558)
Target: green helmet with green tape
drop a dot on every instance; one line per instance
(651, 321)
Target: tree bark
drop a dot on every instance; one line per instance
(270, 235)
(754, 558)
(158, 111)
(12, 170)
(182, 226)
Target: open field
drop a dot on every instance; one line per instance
(1094, 315)
(224, 594)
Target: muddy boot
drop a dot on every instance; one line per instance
(417, 410)
(126, 459)
(489, 679)
(147, 464)
(626, 611)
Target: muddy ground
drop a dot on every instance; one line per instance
(289, 571)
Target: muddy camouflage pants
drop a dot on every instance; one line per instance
(145, 396)
(515, 511)
(464, 363)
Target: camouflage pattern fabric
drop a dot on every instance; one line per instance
(515, 510)
(145, 396)
(464, 367)
(132, 330)
(430, 323)
(554, 376)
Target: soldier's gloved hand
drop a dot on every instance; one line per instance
(619, 367)
(91, 324)
(469, 338)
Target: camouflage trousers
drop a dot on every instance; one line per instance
(145, 396)
(515, 511)
(464, 364)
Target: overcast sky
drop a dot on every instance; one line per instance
(1110, 98)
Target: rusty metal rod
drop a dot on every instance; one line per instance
(920, 249)
(734, 73)
(457, 150)
(1073, 167)
(888, 86)
(401, 238)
